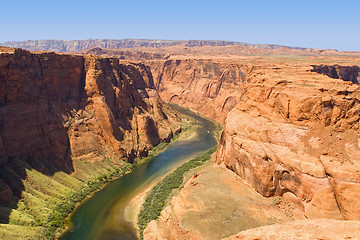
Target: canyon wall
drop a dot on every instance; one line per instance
(292, 130)
(289, 131)
(346, 73)
(295, 134)
(57, 107)
(209, 87)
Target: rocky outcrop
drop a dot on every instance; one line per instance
(297, 137)
(213, 204)
(57, 107)
(211, 88)
(230, 206)
(346, 73)
(305, 230)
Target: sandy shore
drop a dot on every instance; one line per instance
(133, 208)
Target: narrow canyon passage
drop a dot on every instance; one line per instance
(102, 215)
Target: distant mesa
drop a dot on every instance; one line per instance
(80, 45)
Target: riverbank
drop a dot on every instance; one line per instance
(133, 208)
(213, 204)
(104, 215)
(158, 196)
(147, 205)
(48, 199)
(188, 130)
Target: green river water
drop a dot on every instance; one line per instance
(103, 215)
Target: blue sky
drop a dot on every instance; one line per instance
(303, 23)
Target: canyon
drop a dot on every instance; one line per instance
(56, 109)
(290, 129)
(290, 135)
(57, 106)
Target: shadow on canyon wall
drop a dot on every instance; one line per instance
(56, 107)
(346, 73)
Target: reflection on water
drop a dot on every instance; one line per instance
(102, 216)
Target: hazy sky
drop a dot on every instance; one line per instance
(303, 23)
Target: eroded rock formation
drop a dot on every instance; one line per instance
(298, 138)
(57, 107)
(213, 204)
(211, 88)
(291, 132)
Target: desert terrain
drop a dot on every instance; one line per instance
(287, 164)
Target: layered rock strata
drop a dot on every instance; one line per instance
(211, 88)
(57, 107)
(289, 131)
(292, 133)
(296, 134)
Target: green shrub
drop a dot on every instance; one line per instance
(63, 209)
(156, 199)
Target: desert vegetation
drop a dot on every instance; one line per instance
(155, 201)
(47, 200)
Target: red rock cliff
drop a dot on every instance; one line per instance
(209, 87)
(54, 107)
(289, 130)
(296, 134)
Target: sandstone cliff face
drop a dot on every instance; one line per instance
(211, 88)
(289, 131)
(296, 134)
(57, 107)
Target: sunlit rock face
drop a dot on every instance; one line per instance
(297, 136)
(291, 128)
(209, 87)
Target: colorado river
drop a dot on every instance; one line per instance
(102, 215)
